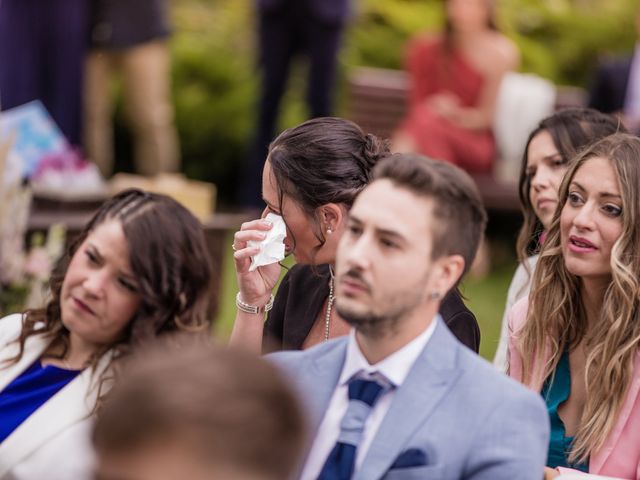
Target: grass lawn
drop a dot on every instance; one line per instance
(485, 297)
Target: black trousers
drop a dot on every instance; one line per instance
(283, 35)
(42, 48)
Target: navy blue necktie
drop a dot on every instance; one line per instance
(363, 395)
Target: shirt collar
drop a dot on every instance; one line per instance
(395, 367)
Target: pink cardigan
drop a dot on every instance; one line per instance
(620, 454)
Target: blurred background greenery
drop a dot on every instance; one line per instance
(215, 91)
(215, 80)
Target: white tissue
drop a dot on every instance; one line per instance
(272, 247)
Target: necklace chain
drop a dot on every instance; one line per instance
(327, 316)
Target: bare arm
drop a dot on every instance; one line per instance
(499, 57)
(255, 287)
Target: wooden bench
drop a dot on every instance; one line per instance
(74, 215)
(378, 102)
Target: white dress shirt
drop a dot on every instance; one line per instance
(394, 369)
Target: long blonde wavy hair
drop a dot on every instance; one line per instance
(556, 320)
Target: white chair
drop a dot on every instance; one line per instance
(523, 100)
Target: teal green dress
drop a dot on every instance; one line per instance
(555, 393)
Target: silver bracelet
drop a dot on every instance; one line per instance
(253, 309)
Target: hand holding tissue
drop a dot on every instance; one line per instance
(272, 246)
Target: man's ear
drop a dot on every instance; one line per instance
(447, 272)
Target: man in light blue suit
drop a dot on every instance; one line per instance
(400, 397)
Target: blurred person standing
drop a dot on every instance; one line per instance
(287, 28)
(615, 87)
(130, 38)
(42, 48)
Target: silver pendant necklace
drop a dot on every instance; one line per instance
(327, 315)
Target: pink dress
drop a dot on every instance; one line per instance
(431, 72)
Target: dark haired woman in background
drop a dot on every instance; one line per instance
(311, 178)
(455, 78)
(139, 269)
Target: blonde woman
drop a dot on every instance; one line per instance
(576, 338)
(550, 148)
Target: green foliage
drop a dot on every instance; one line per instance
(558, 39)
(215, 80)
(13, 297)
(382, 28)
(214, 88)
(562, 40)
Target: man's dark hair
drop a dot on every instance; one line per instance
(228, 408)
(458, 210)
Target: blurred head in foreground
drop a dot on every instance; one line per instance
(196, 411)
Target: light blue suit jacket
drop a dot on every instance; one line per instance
(471, 421)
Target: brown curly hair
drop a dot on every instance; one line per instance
(572, 131)
(171, 264)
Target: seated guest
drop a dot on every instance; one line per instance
(576, 337)
(130, 40)
(140, 268)
(311, 178)
(550, 148)
(399, 397)
(455, 77)
(199, 413)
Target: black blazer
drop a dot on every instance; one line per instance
(302, 293)
(609, 86)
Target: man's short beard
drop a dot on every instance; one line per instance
(369, 324)
(396, 307)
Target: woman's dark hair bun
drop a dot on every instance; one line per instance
(375, 148)
(324, 160)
